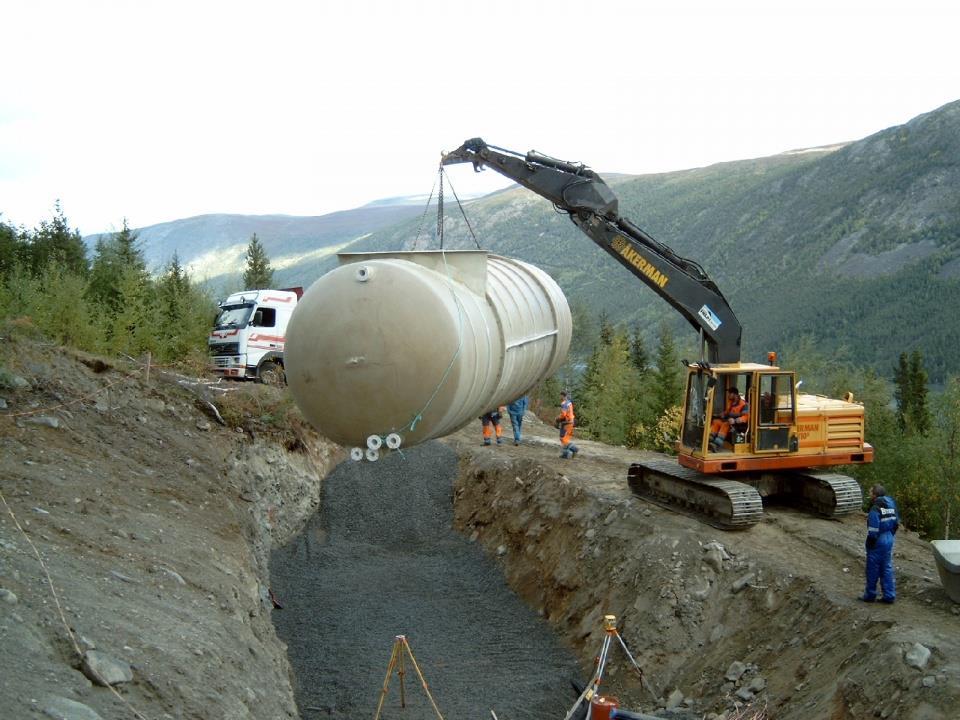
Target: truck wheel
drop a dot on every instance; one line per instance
(271, 373)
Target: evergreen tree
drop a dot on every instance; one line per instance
(607, 398)
(62, 312)
(54, 241)
(133, 329)
(10, 248)
(901, 392)
(910, 379)
(666, 379)
(173, 295)
(919, 414)
(638, 352)
(258, 274)
(104, 275)
(606, 329)
(947, 452)
(125, 247)
(114, 257)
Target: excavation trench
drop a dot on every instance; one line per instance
(500, 563)
(380, 559)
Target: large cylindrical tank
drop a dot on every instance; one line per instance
(421, 343)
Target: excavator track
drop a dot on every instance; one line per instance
(727, 504)
(825, 493)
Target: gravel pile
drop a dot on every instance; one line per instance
(381, 559)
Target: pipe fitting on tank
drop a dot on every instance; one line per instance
(372, 454)
(394, 441)
(374, 442)
(363, 273)
(356, 454)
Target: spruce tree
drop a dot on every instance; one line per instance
(54, 241)
(117, 264)
(638, 352)
(666, 378)
(606, 329)
(258, 274)
(10, 248)
(901, 390)
(919, 410)
(173, 296)
(607, 397)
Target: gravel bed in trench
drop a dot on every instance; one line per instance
(381, 559)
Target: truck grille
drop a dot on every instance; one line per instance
(225, 349)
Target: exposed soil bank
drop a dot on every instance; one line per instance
(153, 524)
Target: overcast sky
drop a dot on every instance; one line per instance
(156, 111)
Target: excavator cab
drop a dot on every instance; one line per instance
(768, 427)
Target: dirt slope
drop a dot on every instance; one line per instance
(153, 523)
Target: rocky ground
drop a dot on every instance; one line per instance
(136, 535)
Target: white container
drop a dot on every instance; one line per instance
(421, 343)
(946, 553)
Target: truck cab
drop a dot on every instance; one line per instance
(249, 334)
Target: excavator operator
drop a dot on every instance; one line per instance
(736, 411)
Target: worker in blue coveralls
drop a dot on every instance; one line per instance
(516, 409)
(882, 523)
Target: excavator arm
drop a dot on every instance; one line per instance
(578, 191)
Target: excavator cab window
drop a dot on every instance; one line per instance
(693, 433)
(776, 412)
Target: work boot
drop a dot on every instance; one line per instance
(486, 443)
(499, 441)
(867, 599)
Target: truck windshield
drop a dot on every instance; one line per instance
(233, 316)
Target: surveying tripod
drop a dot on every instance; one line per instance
(593, 687)
(396, 661)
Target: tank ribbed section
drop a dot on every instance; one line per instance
(421, 343)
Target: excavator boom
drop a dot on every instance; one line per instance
(582, 194)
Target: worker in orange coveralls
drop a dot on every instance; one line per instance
(491, 425)
(565, 422)
(736, 411)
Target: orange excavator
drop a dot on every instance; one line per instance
(779, 444)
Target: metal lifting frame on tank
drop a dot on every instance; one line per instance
(578, 191)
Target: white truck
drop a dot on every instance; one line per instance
(247, 339)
